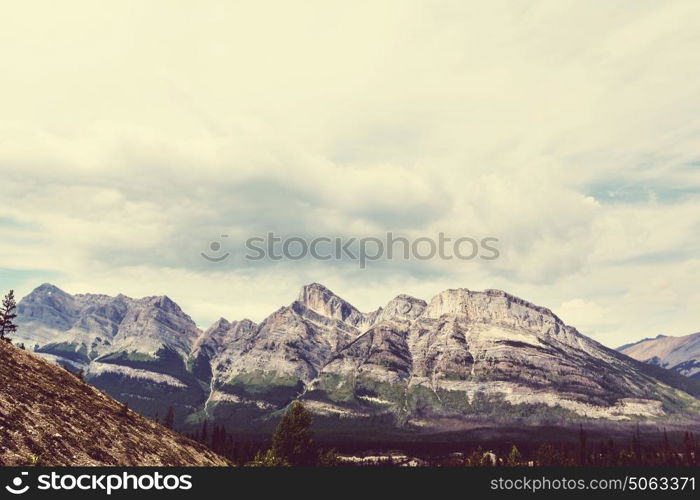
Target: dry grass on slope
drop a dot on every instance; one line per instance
(50, 417)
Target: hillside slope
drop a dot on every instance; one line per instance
(48, 416)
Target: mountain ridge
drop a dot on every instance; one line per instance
(680, 354)
(463, 354)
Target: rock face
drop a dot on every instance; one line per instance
(49, 417)
(680, 354)
(463, 355)
(270, 365)
(78, 328)
(207, 350)
(135, 349)
(472, 352)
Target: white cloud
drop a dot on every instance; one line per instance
(131, 135)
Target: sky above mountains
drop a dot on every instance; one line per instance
(132, 135)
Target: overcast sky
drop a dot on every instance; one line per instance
(133, 134)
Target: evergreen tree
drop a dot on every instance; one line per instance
(224, 440)
(204, 435)
(690, 448)
(292, 440)
(328, 458)
(547, 455)
(215, 438)
(475, 458)
(219, 440)
(169, 420)
(268, 459)
(582, 440)
(514, 457)
(637, 446)
(236, 452)
(611, 453)
(7, 315)
(246, 452)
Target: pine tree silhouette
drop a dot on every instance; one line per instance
(292, 438)
(204, 435)
(582, 439)
(7, 315)
(169, 420)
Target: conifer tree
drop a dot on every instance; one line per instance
(268, 459)
(513, 457)
(169, 420)
(7, 316)
(204, 435)
(582, 440)
(292, 440)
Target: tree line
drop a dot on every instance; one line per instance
(292, 442)
(293, 445)
(605, 453)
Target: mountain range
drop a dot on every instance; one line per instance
(680, 354)
(411, 364)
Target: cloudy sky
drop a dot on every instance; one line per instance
(133, 134)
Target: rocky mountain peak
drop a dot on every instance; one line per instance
(452, 301)
(489, 306)
(162, 302)
(215, 333)
(404, 307)
(221, 322)
(48, 288)
(323, 301)
(681, 354)
(244, 323)
(50, 306)
(222, 332)
(47, 293)
(155, 322)
(213, 341)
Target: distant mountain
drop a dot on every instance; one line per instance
(208, 348)
(680, 354)
(50, 417)
(623, 347)
(135, 349)
(411, 364)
